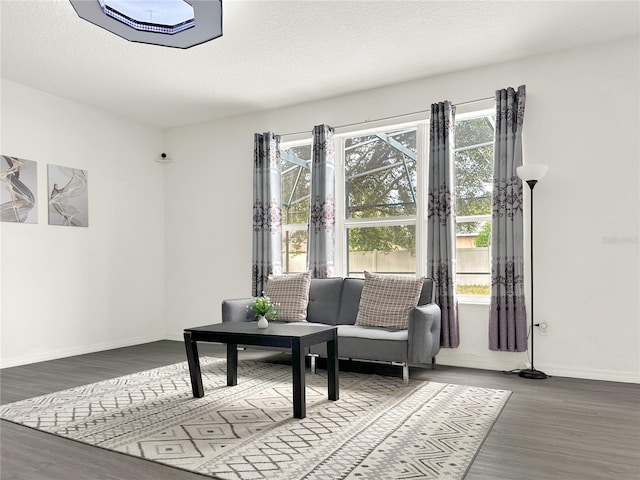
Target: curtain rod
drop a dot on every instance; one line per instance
(478, 100)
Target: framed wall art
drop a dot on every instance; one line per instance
(68, 196)
(18, 190)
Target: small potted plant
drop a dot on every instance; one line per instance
(264, 310)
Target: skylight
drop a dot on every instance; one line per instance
(168, 23)
(161, 16)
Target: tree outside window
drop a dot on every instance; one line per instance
(474, 179)
(296, 185)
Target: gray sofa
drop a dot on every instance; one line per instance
(335, 301)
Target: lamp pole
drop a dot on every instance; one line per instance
(531, 174)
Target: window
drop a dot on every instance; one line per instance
(380, 185)
(380, 211)
(296, 185)
(474, 135)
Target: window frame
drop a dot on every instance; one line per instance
(343, 223)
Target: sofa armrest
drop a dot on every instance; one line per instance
(424, 333)
(237, 310)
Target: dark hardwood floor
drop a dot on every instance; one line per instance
(559, 428)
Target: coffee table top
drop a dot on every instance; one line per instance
(276, 334)
(275, 329)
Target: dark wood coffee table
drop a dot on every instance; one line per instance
(295, 337)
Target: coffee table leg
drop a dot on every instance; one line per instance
(232, 364)
(194, 365)
(333, 385)
(299, 397)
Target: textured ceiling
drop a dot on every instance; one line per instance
(277, 53)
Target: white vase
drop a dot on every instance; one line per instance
(262, 322)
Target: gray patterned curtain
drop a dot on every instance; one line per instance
(508, 317)
(267, 210)
(441, 246)
(322, 205)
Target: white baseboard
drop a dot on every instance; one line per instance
(516, 361)
(590, 374)
(454, 359)
(177, 338)
(70, 352)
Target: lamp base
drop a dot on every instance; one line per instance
(532, 373)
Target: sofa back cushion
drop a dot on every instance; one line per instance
(428, 293)
(324, 300)
(351, 292)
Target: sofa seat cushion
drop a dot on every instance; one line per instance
(362, 343)
(290, 294)
(374, 333)
(387, 300)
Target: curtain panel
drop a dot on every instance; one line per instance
(508, 317)
(441, 221)
(322, 205)
(267, 211)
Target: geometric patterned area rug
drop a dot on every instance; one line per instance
(380, 428)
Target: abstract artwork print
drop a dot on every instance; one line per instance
(68, 196)
(18, 190)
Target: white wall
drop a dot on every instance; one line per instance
(581, 118)
(71, 290)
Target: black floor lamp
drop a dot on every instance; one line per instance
(531, 173)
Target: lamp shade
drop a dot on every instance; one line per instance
(532, 171)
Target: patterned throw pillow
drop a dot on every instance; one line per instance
(290, 293)
(387, 300)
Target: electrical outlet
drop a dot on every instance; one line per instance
(544, 328)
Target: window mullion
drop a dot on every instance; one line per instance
(473, 218)
(340, 265)
(379, 222)
(421, 206)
